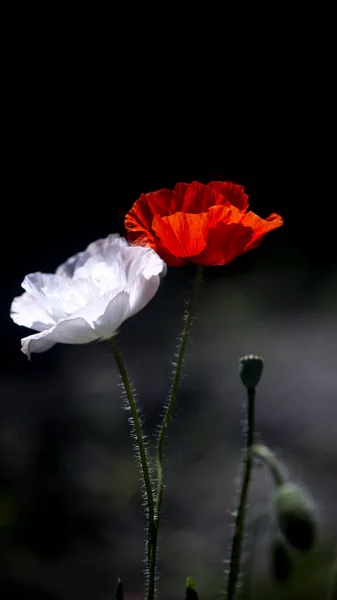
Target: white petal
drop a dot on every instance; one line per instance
(26, 311)
(104, 276)
(146, 269)
(90, 295)
(52, 293)
(34, 343)
(138, 259)
(117, 311)
(68, 331)
(142, 291)
(98, 320)
(59, 296)
(105, 248)
(96, 307)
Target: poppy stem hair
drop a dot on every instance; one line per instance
(140, 446)
(269, 459)
(236, 550)
(167, 416)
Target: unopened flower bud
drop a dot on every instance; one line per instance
(191, 593)
(251, 367)
(281, 564)
(295, 516)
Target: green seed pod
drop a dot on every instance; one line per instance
(251, 367)
(280, 560)
(295, 516)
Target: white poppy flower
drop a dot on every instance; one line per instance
(89, 296)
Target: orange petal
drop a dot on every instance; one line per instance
(138, 220)
(260, 227)
(232, 233)
(183, 235)
(227, 236)
(195, 197)
(234, 194)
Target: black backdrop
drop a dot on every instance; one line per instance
(88, 129)
(94, 117)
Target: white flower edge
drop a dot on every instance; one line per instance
(138, 271)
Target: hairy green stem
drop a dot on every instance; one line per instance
(270, 460)
(167, 417)
(236, 550)
(140, 447)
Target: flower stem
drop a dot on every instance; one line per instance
(235, 559)
(140, 445)
(269, 459)
(333, 589)
(167, 416)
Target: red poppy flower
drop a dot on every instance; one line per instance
(203, 224)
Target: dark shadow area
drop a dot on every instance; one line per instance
(83, 145)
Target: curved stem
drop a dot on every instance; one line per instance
(269, 458)
(235, 558)
(167, 416)
(140, 444)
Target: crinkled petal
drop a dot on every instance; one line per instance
(100, 319)
(183, 235)
(232, 233)
(105, 248)
(68, 331)
(90, 295)
(195, 197)
(261, 227)
(26, 311)
(233, 193)
(204, 224)
(190, 198)
(142, 291)
(117, 311)
(58, 296)
(150, 241)
(141, 260)
(138, 220)
(227, 236)
(145, 280)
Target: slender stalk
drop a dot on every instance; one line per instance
(140, 445)
(167, 416)
(333, 588)
(256, 520)
(119, 590)
(270, 460)
(235, 559)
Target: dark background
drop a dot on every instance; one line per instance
(94, 117)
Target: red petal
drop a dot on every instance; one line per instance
(234, 194)
(227, 237)
(232, 233)
(139, 219)
(205, 224)
(261, 227)
(183, 235)
(195, 197)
